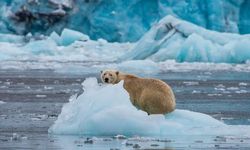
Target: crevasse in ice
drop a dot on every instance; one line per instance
(106, 110)
(123, 20)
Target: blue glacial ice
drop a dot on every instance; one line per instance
(106, 110)
(162, 48)
(167, 43)
(124, 20)
(68, 37)
(176, 39)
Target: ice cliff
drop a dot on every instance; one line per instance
(123, 20)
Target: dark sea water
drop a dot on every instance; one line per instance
(31, 100)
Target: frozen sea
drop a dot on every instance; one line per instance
(32, 99)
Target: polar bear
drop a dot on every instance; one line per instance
(150, 95)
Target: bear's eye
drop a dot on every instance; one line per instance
(111, 75)
(104, 73)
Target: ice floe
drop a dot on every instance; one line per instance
(106, 110)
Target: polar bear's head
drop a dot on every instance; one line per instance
(109, 76)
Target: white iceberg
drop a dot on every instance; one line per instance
(68, 37)
(106, 110)
(2, 102)
(172, 38)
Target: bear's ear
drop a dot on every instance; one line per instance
(101, 71)
(117, 72)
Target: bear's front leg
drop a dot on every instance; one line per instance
(133, 101)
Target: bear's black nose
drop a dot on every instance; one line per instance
(106, 79)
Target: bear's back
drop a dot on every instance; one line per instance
(137, 84)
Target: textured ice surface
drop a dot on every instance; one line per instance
(176, 39)
(106, 110)
(69, 46)
(124, 20)
(167, 42)
(68, 37)
(11, 38)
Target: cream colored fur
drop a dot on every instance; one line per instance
(150, 95)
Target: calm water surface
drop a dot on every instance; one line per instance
(31, 100)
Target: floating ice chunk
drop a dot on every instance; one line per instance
(241, 91)
(195, 91)
(190, 83)
(54, 36)
(15, 137)
(242, 84)
(41, 96)
(232, 88)
(69, 36)
(106, 110)
(2, 102)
